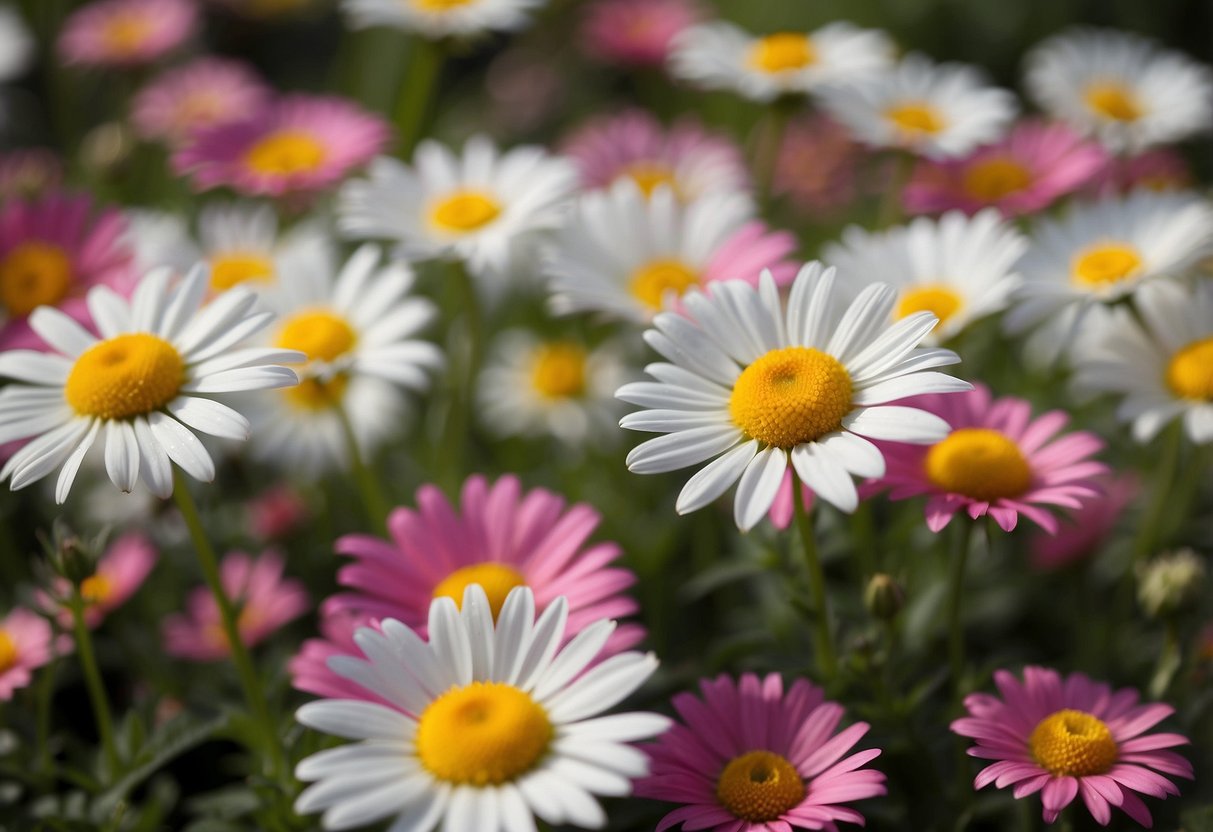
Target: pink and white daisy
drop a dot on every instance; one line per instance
(1036, 164)
(123, 33)
(634, 145)
(52, 251)
(1087, 528)
(751, 758)
(997, 460)
(25, 645)
(207, 92)
(265, 598)
(1071, 736)
(635, 32)
(300, 145)
(120, 572)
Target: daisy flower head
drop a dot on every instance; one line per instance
(997, 461)
(16, 44)
(299, 145)
(635, 32)
(143, 386)
(720, 55)
(629, 256)
(356, 332)
(434, 19)
(1070, 736)
(119, 573)
(817, 167)
(309, 667)
(488, 724)
(537, 386)
(929, 109)
(635, 146)
(1162, 370)
(761, 386)
(752, 757)
(26, 643)
(126, 33)
(1090, 526)
(1156, 169)
(266, 600)
(484, 207)
(205, 93)
(1121, 88)
(1036, 164)
(958, 268)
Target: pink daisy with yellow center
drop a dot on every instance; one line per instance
(120, 571)
(205, 93)
(1071, 736)
(25, 645)
(635, 32)
(115, 33)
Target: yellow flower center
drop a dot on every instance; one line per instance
(318, 333)
(649, 176)
(228, 270)
(128, 375)
(992, 179)
(34, 274)
(1113, 100)
(942, 301)
(8, 651)
(782, 52)
(1190, 372)
(486, 733)
(441, 5)
(1072, 743)
(313, 395)
(651, 282)
(759, 786)
(915, 117)
(496, 579)
(790, 396)
(1105, 263)
(123, 34)
(558, 371)
(464, 211)
(286, 152)
(96, 589)
(979, 463)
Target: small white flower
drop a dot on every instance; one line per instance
(441, 18)
(16, 44)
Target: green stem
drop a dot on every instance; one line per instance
(826, 661)
(375, 504)
(769, 144)
(1150, 528)
(416, 91)
(890, 211)
(42, 713)
(464, 356)
(961, 543)
(92, 680)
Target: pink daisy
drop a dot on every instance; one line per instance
(1071, 736)
(1036, 164)
(121, 570)
(1087, 527)
(277, 512)
(301, 144)
(25, 644)
(751, 759)
(634, 145)
(783, 510)
(309, 668)
(265, 598)
(816, 166)
(29, 173)
(110, 33)
(52, 251)
(1158, 169)
(205, 93)
(635, 32)
(997, 461)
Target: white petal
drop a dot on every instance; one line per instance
(109, 312)
(210, 417)
(628, 727)
(182, 446)
(373, 804)
(61, 331)
(512, 636)
(449, 639)
(184, 303)
(41, 368)
(715, 478)
(545, 639)
(215, 319)
(857, 455)
(758, 487)
(72, 464)
(45, 453)
(825, 476)
(122, 454)
(866, 316)
(573, 659)
(602, 687)
(914, 384)
(242, 379)
(897, 424)
(154, 464)
(682, 449)
(515, 814)
(353, 719)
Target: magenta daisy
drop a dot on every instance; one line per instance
(117, 33)
(635, 32)
(997, 460)
(205, 93)
(52, 250)
(309, 667)
(265, 598)
(25, 645)
(120, 571)
(300, 145)
(1071, 736)
(751, 758)
(1032, 167)
(1087, 528)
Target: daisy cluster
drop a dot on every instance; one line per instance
(507, 415)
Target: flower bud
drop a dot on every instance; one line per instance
(884, 597)
(1170, 582)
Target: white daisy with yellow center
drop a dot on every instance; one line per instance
(759, 386)
(144, 384)
(441, 18)
(487, 725)
(935, 110)
(1121, 88)
(720, 55)
(959, 268)
(485, 208)
(1164, 370)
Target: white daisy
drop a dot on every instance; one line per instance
(16, 44)
(720, 55)
(356, 330)
(538, 387)
(936, 110)
(1120, 87)
(959, 268)
(487, 725)
(441, 18)
(144, 384)
(1165, 370)
(757, 385)
(1099, 253)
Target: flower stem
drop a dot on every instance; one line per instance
(890, 211)
(769, 144)
(827, 663)
(961, 543)
(416, 91)
(464, 353)
(92, 680)
(1163, 493)
(42, 713)
(375, 504)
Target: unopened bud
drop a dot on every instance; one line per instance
(884, 597)
(1170, 582)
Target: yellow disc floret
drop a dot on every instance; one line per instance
(125, 33)
(1105, 263)
(125, 376)
(1190, 371)
(790, 396)
(464, 211)
(1113, 100)
(440, 5)
(96, 589)
(286, 152)
(782, 52)
(8, 651)
(486, 733)
(942, 301)
(992, 179)
(558, 371)
(1072, 743)
(916, 118)
(496, 579)
(318, 333)
(313, 394)
(650, 283)
(33, 274)
(236, 267)
(759, 786)
(980, 463)
(649, 176)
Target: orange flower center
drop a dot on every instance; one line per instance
(34, 274)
